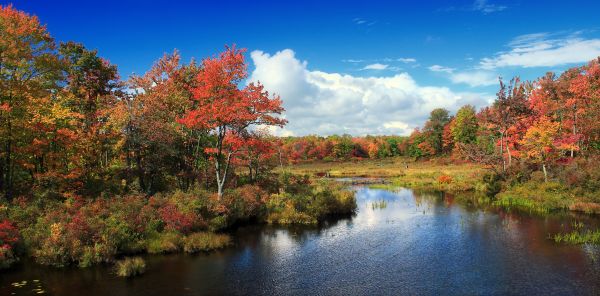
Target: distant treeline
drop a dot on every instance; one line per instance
(543, 123)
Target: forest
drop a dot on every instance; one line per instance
(94, 167)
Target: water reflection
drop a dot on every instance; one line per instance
(420, 243)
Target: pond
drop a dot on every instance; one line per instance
(399, 242)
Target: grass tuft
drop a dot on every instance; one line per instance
(130, 267)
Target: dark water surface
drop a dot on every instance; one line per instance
(418, 244)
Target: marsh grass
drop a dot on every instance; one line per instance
(402, 172)
(381, 204)
(537, 197)
(162, 243)
(577, 237)
(324, 198)
(521, 204)
(130, 267)
(205, 241)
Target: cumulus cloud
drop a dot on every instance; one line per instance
(376, 66)
(545, 50)
(318, 102)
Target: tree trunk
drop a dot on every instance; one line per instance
(509, 156)
(221, 178)
(140, 171)
(545, 173)
(502, 151)
(8, 163)
(574, 131)
(250, 173)
(280, 157)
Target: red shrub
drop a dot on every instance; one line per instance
(9, 235)
(253, 198)
(445, 179)
(175, 219)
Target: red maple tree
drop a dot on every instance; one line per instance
(226, 110)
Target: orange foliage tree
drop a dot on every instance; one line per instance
(225, 110)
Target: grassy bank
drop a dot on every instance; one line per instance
(84, 232)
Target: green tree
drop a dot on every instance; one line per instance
(464, 129)
(434, 128)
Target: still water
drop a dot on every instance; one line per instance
(414, 244)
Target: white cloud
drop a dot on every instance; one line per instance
(475, 78)
(482, 6)
(407, 60)
(486, 7)
(376, 66)
(378, 62)
(472, 78)
(352, 61)
(545, 50)
(438, 68)
(398, 125)
(324, 103)
(361, 21)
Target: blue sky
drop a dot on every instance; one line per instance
(359, 67)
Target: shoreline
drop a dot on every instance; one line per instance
(443, 175)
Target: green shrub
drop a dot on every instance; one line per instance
(167, 242)
(130, 267)
(492, 184)
(205, 241)
(218, 223)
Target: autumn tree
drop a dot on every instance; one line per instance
(448, 143)
(258, 148)
(222, 108)
(154, 145)
(418, 145)
(539, 143)
(510, 107)
(28, 71)
(343, 146)
(93, 87)
(585, 106)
